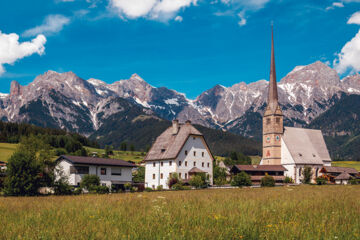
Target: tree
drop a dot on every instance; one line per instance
(237, 158)
(89, 181)
(23, 175)
(268, 181)
(198, 181)
(132, 148)
(219, 175)
(173, 179)
(123, 146)
(241, 179)
(139, 175)
(307, 174)
(109, 150)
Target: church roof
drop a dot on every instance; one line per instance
(306, 146)
(168, 144)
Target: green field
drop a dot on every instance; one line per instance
(123, 155)
(351, 164)
(302, 212)
(6, 150)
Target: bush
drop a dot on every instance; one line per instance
(127, 186)
(307, 174)
(219, 175)
(23, 175)
(148, 189)
(133, 189)
(354, 181)
(60, 151)
(77, 191)
(100, 189)
(321, 181)
(268, 181)
(177, 186)
(198, 181)
(241, 179)
(173, 179)
(88, 182)
(159, 188)
(288, 180)
(62, 188)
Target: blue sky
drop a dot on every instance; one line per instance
(186, 45)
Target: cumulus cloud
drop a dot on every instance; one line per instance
(349, 57)
(179, 19)
(354, 19)
(12, 50)
(52, 24)
(162, 10)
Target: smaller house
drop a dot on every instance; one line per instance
(2, 165)
(339, 175)
(113, 173)
(257, 172)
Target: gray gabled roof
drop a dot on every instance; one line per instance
(343, 176)
(168, 145)
(306, 146)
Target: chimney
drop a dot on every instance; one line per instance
(188, 122)
(175, 126)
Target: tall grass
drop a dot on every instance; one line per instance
(305, 212)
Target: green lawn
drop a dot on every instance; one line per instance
(127, 156)
(6, 150)
(352, 164)
(298, 212)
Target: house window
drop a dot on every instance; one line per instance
(154, 176)
(268, 121)
(202, 154)
(170, 163)
(161, 176)
(194, 153)
(116, 171)
(194, 164)
(300, 172)
(203, 164)
(153, 186)
(179, 175)
(103, 171)
(82, 169)
(179, 163)
(185, 175)
(185, 163)
(208, 164)
(193, 138)
(154, 164)
(162, 164)
(186, 152)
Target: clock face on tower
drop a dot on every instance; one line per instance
(277, 138)
(267, 139)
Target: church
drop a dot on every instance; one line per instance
(293, 148)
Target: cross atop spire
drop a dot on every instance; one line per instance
(273, 93)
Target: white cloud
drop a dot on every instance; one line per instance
(162, 10)
(335, 5)
(52, 24)
(179, 19)
(243, 20)
(354, 19)
(349, 57)
(12, 50)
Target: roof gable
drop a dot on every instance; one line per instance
(306, 146)
(168, 145)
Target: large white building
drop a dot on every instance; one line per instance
(112, 172)
(180, 149)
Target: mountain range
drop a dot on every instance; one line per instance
(89, 107)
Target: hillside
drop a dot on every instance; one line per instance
(341, 127)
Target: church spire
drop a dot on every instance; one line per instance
(273, 94)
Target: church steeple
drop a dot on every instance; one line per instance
(273, 118)
(273, 93)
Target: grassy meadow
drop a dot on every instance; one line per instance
(351, 164)
(301, 212)
(6, 150)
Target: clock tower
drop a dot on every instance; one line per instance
(273, 127)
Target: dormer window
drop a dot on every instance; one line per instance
(186, 152)
(163, 150)
(314, 155)
(300, 154)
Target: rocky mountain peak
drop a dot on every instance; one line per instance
(15, 89)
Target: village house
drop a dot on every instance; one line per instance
(112, 172)
(179, 149)
(257, 172)
(339, 175)
(2, 166)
